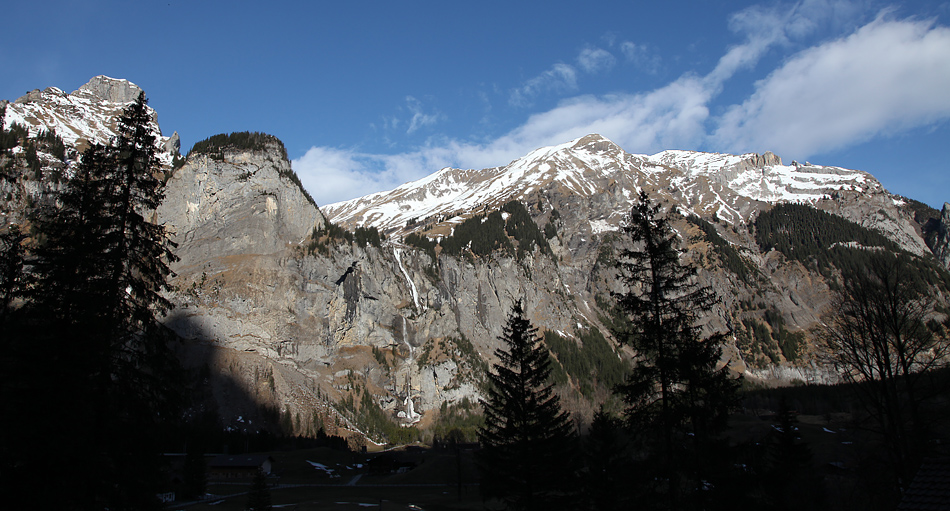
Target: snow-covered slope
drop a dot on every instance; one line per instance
(726, 186)
(764, 177)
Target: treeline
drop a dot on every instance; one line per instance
(728, 255)
(824, 241)
(805, 233)
(321, 239)
(756, 338)
(46, 141)
(215, 145)
(422, 242)
(510, 230)
(377, 424)
(594, 364)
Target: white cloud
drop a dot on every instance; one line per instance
(886, 77)
(673, 115)
(593, 60)
(560, 78)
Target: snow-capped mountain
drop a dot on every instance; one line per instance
(729, 187)
(86, 116)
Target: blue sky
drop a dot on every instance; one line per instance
(368, 95)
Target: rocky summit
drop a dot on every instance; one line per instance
(388, 303)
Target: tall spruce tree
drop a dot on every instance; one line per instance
(526, 459)
(677, 401)
(107, 384)
(258, 496)
(607, 456)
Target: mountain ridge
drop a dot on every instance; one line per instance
(732, 188)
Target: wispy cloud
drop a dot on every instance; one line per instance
(419, 117)
(594, 60)
(641, 56)
(559, 78)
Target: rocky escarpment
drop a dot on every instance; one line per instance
(243, 204)
(941, 247)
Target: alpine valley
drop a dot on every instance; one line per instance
(386, 309)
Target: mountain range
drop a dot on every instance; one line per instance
(283, 304)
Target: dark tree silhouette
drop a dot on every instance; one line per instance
(883, 340)
(526, 458)
(194, 473)
(258, 498)
(11, 268)
(791, 480)
(607, 456)
(677, 400)
(99, 396)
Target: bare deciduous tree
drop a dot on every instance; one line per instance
(884, 337)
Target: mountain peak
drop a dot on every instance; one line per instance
(111, 89)
(86, 116)
(595, 143)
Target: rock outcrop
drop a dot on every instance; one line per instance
(111, 89)
(941, 246)
(245, 204)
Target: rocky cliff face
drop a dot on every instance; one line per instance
(251, 290)
(941, 247)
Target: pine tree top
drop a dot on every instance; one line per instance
(216, 145)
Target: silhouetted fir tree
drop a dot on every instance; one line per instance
(677, 401)
(607, 456)
(526, 460)
(70, 265)
(258, 498)
(790, 479)
(11, 268)
(100, 394)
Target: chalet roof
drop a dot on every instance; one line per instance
(239, 461)
(930, 489)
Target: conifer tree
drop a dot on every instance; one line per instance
(607, 456)
(677, 401)
(791, 481)
(98, 272)
(11, 267)
(526, 457)
(258, 498)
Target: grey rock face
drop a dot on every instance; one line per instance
(173, 144)
(111, 89)
(242, 205)
(409, 329)
(942, 243)
(30, 97)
